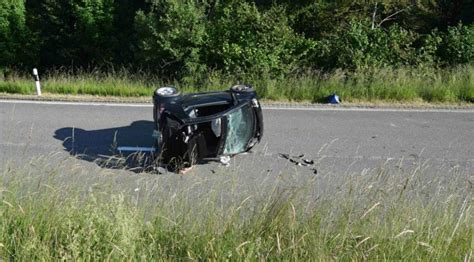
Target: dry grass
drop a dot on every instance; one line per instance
(414, 85)
(52, 211)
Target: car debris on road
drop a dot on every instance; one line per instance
(300, 161)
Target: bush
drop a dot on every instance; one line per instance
(360, 46)
(453, 47)
(457, 46)
(172, 36)
(245, 39)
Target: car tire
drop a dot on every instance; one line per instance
(167, 92)
(241, 88)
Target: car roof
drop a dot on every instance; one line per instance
(209, 98)
(180, 107)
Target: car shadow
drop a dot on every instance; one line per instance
(102, 146)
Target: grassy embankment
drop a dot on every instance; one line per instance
(388, 85)
(375, 215)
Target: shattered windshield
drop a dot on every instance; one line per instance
(240, 129)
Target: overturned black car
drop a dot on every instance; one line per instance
(192, 128)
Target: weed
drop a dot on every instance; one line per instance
(376, 214)
(387, 84)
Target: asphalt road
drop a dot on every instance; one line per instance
(341, 142)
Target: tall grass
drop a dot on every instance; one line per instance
(392, 85)
(376, 215)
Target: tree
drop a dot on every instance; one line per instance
(126, 45)
(244, 39)
(15, 48)
(171, 36)
(77, 33)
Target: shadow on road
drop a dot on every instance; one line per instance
(101, 146)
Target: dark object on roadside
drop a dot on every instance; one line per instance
(334, 99)
(291, 159)
(192, 128)
(287, 156)
(299, 161)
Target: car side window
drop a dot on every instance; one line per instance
(240, 129)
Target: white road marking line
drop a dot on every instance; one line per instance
(135, 149)
(358, 109)
(265, 107)
(74, 103)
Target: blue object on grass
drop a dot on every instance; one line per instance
(334, 99)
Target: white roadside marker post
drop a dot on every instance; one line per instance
(37, 81)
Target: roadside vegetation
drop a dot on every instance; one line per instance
(363, 50)
(455, 85)
(56, 212)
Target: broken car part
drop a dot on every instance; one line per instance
(299, 161)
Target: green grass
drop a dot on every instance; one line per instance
(391, 85)
(373, 215)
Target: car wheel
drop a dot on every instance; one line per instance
(241, 88)
(167, 91)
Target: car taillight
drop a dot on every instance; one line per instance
(159, 111)
(157, 114)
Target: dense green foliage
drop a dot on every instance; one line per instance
(180, 38)
(15, 47)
